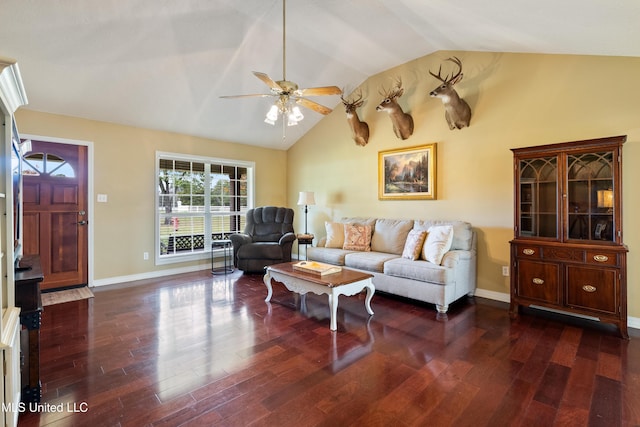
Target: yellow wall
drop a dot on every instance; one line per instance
(124, 170)
(517, 100)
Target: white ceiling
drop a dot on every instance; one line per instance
(162, 64)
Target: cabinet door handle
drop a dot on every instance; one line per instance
(528, 251)
(537, 281)
(601, 258)
(589, 288)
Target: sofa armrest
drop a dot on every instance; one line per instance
(463, 263)
(239, 239)
(451, 258)
(287, 238)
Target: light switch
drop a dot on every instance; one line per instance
(102, 198)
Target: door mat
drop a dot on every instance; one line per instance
(68, 295)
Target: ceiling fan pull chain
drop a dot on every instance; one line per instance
(284, 131)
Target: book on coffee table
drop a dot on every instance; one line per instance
(317, 268)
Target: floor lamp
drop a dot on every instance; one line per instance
(306, 199)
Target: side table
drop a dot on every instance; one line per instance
(227, 254)
(28, 298)
(304, 240)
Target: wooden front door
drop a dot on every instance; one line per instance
(55, 212)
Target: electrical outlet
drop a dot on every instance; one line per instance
(505, 270)
(145, 255)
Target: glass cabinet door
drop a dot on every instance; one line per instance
(590, 196)
(538, 197)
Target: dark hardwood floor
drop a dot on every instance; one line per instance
(199, 350)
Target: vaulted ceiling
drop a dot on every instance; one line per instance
(163, 64)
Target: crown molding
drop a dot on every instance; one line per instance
(11, 86)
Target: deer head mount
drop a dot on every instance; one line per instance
(402, 122)
(359, 129)
(457, 111)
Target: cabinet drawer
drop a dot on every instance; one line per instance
(528, 251)
(564, 253)
(602, 258)
(539, 281)
(592, 288)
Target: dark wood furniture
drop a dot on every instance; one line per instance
(567, 253)
(29, 300)
(304, 240)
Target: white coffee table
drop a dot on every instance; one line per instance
(347, 282)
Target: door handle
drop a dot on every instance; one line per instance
(83, 222)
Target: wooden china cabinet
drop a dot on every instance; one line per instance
(567, 253)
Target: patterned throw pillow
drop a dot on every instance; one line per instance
(335, 234)
(413, 245)
(357, 237)
(438, 243)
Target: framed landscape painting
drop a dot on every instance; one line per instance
(407, 173)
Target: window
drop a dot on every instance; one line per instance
(46, 164)
(198, 200)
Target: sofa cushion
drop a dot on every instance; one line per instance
(327, 255)
(438, 243)
(370, 261)
(413, 245)
(357, 237)
(422, 271)
(389, 235)
(335, 234)
(462, 232)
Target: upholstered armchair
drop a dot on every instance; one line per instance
(267, 239)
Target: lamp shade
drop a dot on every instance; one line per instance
(306, 198)
(605, 198)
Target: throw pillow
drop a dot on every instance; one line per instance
(335, 234)
(357, 237)
(438, 243)
(413, 245)
(389, 235)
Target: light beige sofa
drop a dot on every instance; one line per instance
(439, 284)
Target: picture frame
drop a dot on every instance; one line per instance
(602, 229)
(407, 173)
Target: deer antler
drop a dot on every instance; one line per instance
(347, 102)
(454, 77)
(456, 61)
(394, 92)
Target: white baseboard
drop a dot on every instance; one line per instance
(496, 296)
(632, 322)
(149, 275)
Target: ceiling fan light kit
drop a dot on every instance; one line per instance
(284, 108)
(288, 93)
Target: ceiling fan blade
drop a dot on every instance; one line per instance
(313, 106)
(319, 91)
(254, 95)
(267, 80)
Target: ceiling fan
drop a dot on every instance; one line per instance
(288, 93)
